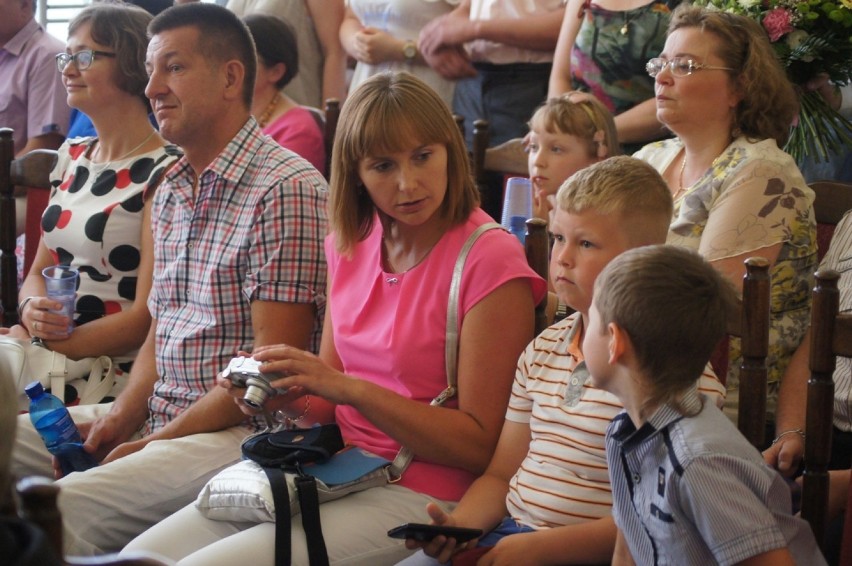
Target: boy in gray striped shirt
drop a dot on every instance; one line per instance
(687, 487)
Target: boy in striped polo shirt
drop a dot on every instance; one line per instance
(547, 483)
(688, 488)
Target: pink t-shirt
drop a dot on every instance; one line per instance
(298, 131)
(390, 329)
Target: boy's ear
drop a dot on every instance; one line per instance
(619, 342)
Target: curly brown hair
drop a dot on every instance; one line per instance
(769, 102)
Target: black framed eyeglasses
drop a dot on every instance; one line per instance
(679, 66)
(83, 59)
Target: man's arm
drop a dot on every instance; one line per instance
(273, 323)
(130, 409)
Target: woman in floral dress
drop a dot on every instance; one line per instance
(721, 90)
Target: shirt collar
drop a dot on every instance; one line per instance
(625, 432)
(231, 163)
(573, 339)
(16, 45)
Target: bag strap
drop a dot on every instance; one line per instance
(281, 498)
(451, 348)
(306, 488)
(100, 382)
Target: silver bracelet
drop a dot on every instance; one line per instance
(798, 431)
(21, 310)
(290, 422)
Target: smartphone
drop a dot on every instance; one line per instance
(425, 533)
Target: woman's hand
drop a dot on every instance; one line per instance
(304, 373)
(786, 454)
(281, 401)
(39, 320)
(374, 46)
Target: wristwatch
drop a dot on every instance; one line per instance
(409, 50)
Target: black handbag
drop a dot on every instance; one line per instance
(280, 451)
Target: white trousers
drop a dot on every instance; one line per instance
(354, 528)
(105, 507)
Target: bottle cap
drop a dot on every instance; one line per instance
(34, 389)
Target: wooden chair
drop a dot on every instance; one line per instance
(332, 115)
(831, 336)
(833, 199)
(32, 170)
(752, 327)
(37, 498)
(537, 248)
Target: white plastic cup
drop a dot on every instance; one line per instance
(517, 206)
(60, 281)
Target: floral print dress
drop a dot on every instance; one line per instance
(752, 197)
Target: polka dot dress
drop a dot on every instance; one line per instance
(94, 220)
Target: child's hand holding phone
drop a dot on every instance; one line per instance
(441, 539)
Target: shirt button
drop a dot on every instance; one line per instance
(636, 478)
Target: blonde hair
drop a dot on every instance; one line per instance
(769, 102)
(588, 120)
(673, 306)
(625, 186)
(387, 112)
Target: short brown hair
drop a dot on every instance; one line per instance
(582, 119)
(626, 186)
(386, 112)
(673, 306)
(122, 28)
(222, 37)
(769, 101)
(275, 42)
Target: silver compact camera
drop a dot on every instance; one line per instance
(245, 372)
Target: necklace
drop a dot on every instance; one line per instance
(270, 108)
(392, 269)
(680, 187)
(625, 29)
(98, 167)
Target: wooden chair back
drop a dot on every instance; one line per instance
(332, 115)
(537, 248)
(32, 171)
(832, 200)
(37, 497)
(752, 327)
(831, 336)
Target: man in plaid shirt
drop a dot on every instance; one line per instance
(238, 227)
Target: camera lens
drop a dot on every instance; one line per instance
(257, 392)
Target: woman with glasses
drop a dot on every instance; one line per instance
(98, 216)
(722, 91)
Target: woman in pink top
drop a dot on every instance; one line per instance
(279, 116)
(402, 204)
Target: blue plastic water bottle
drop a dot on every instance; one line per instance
(59, 433)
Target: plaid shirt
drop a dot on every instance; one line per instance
(254, 232)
